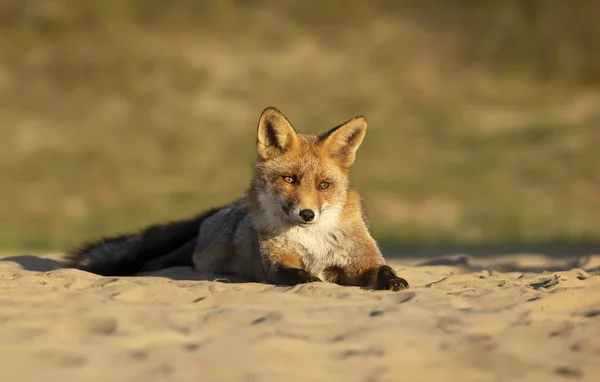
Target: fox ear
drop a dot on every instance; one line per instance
(275, 134)
(342, 141)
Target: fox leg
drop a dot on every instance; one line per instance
(283, 266)
(371, 268)
(366, 268)
(179, 257)
(382, 277)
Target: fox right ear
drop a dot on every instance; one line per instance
(275, 134)
(343, 141)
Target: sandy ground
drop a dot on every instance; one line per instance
(462, 320)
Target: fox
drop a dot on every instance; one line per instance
(299, 221)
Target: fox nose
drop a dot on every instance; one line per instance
(307, 215)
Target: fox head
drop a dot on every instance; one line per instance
(302, 179)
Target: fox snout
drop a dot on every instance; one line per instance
(302, 215)
(306, 215)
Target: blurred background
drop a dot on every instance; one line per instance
(483, 115)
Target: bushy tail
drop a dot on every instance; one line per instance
(125, 255)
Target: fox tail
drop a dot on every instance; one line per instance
(125, 255)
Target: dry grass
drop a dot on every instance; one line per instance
(117, 114)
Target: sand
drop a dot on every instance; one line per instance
(464, 319)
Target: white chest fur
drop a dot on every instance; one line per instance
(320, 245)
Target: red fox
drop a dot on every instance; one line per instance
(299, 222)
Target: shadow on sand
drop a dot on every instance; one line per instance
(34, 263)
(504, 258)
(549, 250)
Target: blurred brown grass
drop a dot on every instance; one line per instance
(483, 116)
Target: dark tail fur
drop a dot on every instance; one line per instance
(125, 255)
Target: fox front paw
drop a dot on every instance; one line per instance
(387, 280)
(396, 284)
(312, 279)
(295, 276)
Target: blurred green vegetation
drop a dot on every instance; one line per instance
(483, 115)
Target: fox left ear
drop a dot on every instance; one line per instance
(343, 141)
(275, 134)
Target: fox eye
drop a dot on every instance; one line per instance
(323, 185)
(289, 179)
